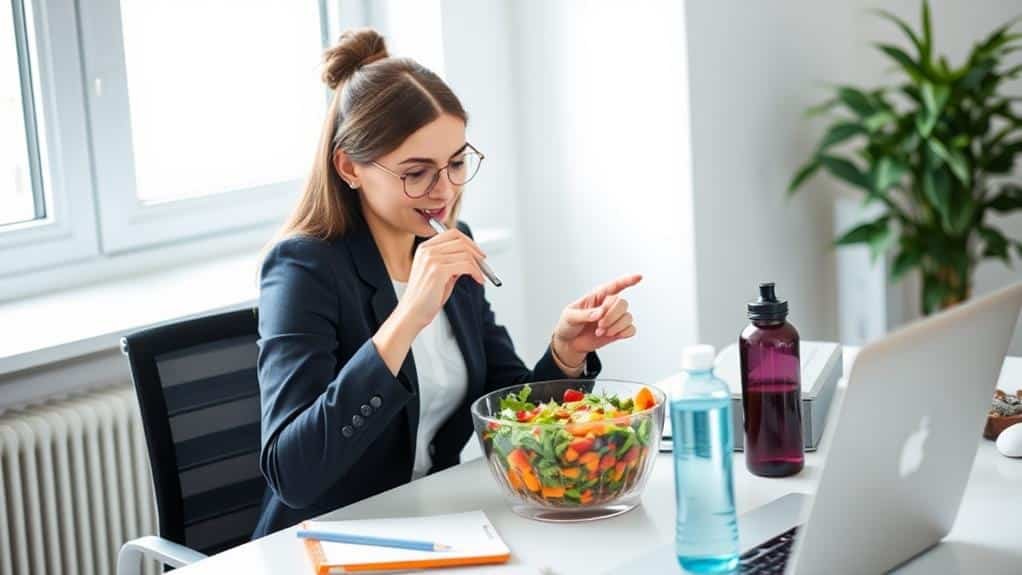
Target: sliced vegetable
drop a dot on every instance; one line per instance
(582, 445)
(573, 395)
(644, 399)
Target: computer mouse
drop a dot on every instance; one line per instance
(1009, 442)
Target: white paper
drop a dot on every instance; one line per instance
(468, 534)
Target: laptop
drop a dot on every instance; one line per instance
(907, 435)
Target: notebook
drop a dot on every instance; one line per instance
(471, 536)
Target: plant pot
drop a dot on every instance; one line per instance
(997, 422)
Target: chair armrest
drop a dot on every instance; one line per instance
(129, 559)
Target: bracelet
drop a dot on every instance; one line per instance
(561, 362)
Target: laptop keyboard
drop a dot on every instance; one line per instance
(768, 557)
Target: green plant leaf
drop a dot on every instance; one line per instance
(803, 174)
(863, 233)
(886, 173)
(927, 42)
(912, 92)
(1002, 159)
(855, 100)
(905, 261)
(934, 97)
(925, 122)
(976, 75)
(963, 214)
(938, 193)
(910, 66)
(1008, 199)
(822, 107)
(946, 68)
(847, 171)
(961, 141)
(909, 142)
(998, 45)
(839, 133)
(995, 245)
(878, 120)
(954, 159)
(877, 234)
(996, 37)
(904, 28)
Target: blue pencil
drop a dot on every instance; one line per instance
(367, 540)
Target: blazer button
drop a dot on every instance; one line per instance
(357, 420)
(376, 402)
(366, 410)
(347, 431)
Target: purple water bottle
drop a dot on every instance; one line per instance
(771, 388)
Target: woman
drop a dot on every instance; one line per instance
(374, 340)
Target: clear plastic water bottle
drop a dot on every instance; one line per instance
(706, 536)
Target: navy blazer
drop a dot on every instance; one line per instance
(337, 426)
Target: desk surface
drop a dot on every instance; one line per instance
(985, 537)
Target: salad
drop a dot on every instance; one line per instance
(586, 448)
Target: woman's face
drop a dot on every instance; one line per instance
(431, 147)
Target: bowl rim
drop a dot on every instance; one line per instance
(658, 394)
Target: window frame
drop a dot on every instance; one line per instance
(67, 232)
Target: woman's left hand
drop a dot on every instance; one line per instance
(594, 320)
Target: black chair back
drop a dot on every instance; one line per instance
(199, 396)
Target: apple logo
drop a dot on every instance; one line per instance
(912, 452)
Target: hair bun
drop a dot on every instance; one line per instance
(354, 49)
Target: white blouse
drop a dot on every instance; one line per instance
(443, 381)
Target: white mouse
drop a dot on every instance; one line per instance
(1009, 442)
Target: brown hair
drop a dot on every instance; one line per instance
(378, 102)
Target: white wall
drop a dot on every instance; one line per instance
(478, 67)
(753, 68)
(602, 161)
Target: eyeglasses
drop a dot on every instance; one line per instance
(420, 180)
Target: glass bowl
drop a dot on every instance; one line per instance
(579, 468)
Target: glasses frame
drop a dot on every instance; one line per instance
(436, 176)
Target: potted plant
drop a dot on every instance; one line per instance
(934, 151)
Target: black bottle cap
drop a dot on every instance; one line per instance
(768, 307)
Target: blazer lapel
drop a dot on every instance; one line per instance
(370, 267)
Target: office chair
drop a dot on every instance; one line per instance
(198, 393)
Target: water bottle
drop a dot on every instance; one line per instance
(771, 388)
(706, 536)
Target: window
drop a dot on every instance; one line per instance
(209, 114)
(20, 200)
(247, 85)
(130, 124)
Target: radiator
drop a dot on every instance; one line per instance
(74, 485)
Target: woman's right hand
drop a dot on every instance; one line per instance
(437, 265)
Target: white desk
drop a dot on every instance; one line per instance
(986, 538)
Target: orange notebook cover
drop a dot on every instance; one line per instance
(471, 536)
